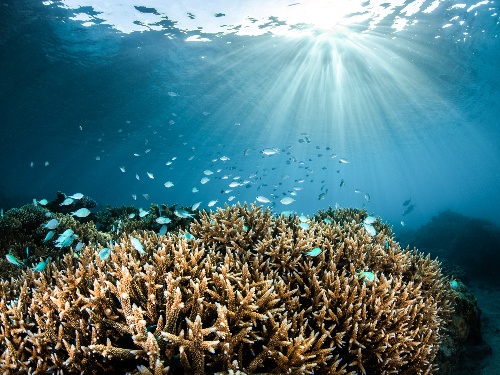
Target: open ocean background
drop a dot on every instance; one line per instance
(407, 92)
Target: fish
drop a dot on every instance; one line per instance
(224, 158)
(122, 169)
(49, 236)
(357, 191)
(51, 224)
(163, 230)
(342, 183)
(142, 212)
(77, 196)
(194, 190)
(195, 206)
(204, 180)
(343, 161)
(409, 209)
(81, 212)
(189, 236)
(134, 197)
(163, 220)
(212, 203)
(367, 197)
(370, 220)
(43, 202)
(234, 184)
(370, 229)
(183, 214)
(314, 252)
(131, 216)
(40, 266)
(304, 225)
(231, 198)
(207, 172)
(406, 202)
(270, 151)
(104, 253)
(67, 202)
(137, 177)
(287, 200)
(146, 196)
(262, 199)
(322, 195)
(402, 223)
(150, 175)
(137, 245)
(168, 184)
(13, 260)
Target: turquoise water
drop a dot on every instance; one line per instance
(269, 98)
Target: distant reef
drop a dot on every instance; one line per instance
(471, 246)
(235, 291)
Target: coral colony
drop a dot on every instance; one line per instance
(235, 291)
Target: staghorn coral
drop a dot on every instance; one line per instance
(241, 297)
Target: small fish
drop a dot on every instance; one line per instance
(287, 200)
(370, 220)
(402, 223)
(150, 175)
(270, 151)
(367, 197)
(212, 203)
(343, 161)
(104, 253)
(137, 177)
(131, 216)
(137, 245)
(122, 169)
(142, 212)
(409, 209)
(204, 180)
(366, 276)
(13, 260)
(163, 230)
(77, 196)
(49, 236)
(189, 236)
(146, 196)
(207, 172)
(81, 212)
(327, 220)
(168, 184)
(43, 202)
(183, 214)
(224, 158)
(163, 220)
(314, 252)
(51, 224)
(342, 183)
(194, 190)
(78, 246)
(262, 199)
(370, 229)
(234, 184)
(304, 225)
(357, 191)
(195, 206)
(67, 202)
(40, 266)
(229, 199)
(134, 197)
(406, 202)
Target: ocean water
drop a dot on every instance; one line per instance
(348, 103)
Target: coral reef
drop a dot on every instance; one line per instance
(241, 293)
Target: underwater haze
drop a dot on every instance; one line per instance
(392, 106)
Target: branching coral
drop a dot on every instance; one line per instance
(242, 296)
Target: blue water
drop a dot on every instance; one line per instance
(412, 107)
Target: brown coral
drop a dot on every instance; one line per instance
(241, 297)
